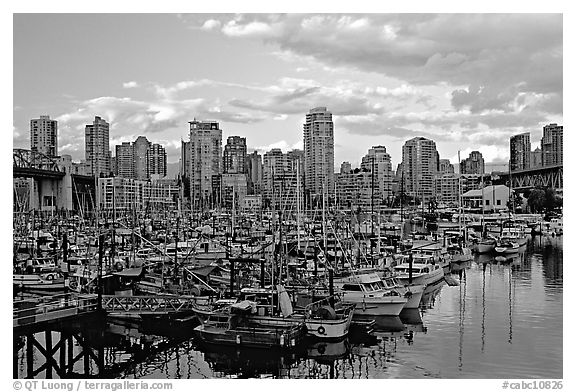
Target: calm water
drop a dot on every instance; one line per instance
(503, 320)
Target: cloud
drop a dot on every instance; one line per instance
(131, 84)
(504, 54)
(281, 144)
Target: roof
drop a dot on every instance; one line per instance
(129, 272)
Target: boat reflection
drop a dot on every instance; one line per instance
(248, 362)
(430, 294)
(327, 352)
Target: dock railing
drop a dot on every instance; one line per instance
(48, 308)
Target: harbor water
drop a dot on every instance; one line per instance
(502, 320)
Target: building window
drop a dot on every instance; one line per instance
(487, 202)
(498, 202)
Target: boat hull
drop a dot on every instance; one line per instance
(391, 306)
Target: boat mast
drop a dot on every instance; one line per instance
(298, 203)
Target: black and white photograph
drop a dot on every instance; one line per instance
(293, 195)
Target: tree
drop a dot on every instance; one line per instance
(536, 200)
(551, 200)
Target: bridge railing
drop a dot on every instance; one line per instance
(35, 310)
(148, 304)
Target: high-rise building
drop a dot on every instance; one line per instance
(520, 151)
(552, 144)
(235, 155)
(536, 158)
(97, 142)
(319, 151)
(378, 160)
(420, 165)
(474, 164)
(156, 161)
(205, 160)
(44, 136)
(254, 173)
(280, 178)
(445, 166)
(124, 160)
(141, 147)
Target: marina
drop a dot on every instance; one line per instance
(463, 325)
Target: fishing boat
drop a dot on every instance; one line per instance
(369, 296)
(237, 327)
(327, 318)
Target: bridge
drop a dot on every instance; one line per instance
(541, 177)
(46, 183)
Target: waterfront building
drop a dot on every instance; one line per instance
(254, 173)
(127, 194)
(494, 197)
(420, 165)
(97, 146)
(552, 145)
(445, 166)
(319, 152)
(474, 164)
(205, 160)
(448, 189)
(520, 151)
(235, 155)
(44, 136)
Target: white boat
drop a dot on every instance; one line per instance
(370, 297)
(507, 247)
(412, 292)
(422, 273)
(50, 281)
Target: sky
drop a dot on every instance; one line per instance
(466, 81)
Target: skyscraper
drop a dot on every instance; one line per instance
(420, 165)
(235, 155)
(125, 160)
(319, 151)
(474, 164)
(44, 136)
(383, 175)
(97, 142)
(254, 173)
(552, 144)
(205, 159)
(141, 147)
(520, 151)
(156, 161)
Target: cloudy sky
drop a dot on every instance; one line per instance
(467, 81)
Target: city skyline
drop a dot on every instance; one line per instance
(467, 91)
